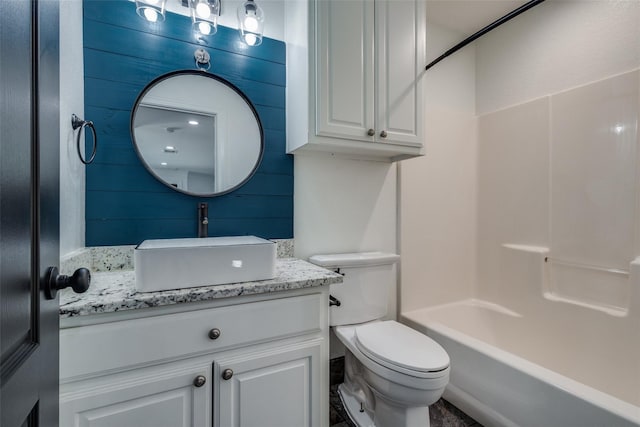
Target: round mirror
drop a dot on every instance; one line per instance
(197, 133)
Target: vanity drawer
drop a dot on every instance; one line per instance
(144, 341)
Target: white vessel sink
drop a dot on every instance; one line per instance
(185, 263)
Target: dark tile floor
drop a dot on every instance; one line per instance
(441, 413)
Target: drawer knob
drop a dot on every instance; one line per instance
(214, 334)
(383, 134)
(199, 381)
(371, 132)
(227, 374)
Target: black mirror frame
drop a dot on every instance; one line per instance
(166, 76)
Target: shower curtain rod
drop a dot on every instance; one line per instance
(485, 30)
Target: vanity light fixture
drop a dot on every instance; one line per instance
(151, 10)
(204, 15)
(250, 23)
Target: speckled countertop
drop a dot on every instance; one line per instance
(115, 290)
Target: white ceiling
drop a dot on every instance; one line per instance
(468, 16)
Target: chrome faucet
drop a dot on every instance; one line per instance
(203, 220)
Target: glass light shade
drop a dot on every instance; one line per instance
(250, 23)
(204, 16)
(151, 10)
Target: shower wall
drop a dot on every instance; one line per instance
(557, 103)
(546, 157)
(437, 201)
(553, 47)
(561, 172)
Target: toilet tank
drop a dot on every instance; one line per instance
(364, 292)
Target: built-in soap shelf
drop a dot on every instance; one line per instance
(595, 268)
(610, 290)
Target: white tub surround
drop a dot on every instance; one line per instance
(551, 334)
(536, 355)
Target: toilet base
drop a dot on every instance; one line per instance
(388, 414)
(409, 417)
(353, 408)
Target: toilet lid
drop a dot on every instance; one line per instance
(395, 345)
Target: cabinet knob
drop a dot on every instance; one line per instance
(199, 381)
(227, 374)
(371, 132)
(214, 334)
(383, 134)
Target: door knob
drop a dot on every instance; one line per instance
(53, 282)
(383, 134)
(371, 132)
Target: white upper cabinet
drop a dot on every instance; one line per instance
(345, 69)
(354, 77)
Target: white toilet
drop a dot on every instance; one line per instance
(392, 373)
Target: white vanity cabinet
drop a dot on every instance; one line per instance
(355, 77)
(270, 389)
(248, 361)
(162, 396)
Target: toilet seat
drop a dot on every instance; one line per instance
(401, 349)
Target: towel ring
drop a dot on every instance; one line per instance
(77, 122)
(203, 60)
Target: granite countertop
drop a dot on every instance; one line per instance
(115, 290)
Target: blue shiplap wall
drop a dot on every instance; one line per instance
(124, 203)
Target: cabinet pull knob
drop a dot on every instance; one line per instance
(383, 134)
(371, 132)
(199, 381)
(227, 374)
(214, 334)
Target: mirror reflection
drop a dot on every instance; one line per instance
(197, 133)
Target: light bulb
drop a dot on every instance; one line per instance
(203, 10)
(250, 39)
(150, 14)
(250, 23)
(205, 29)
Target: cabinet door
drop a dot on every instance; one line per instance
(401, 56)
(164, 396)
(345, 69)
(277, 389)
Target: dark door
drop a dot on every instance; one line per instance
(29, 153)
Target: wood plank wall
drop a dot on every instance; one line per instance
(124, 203)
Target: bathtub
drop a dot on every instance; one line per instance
(537, 359)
